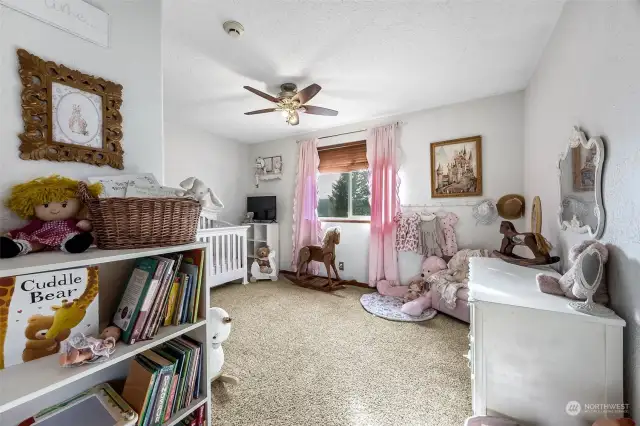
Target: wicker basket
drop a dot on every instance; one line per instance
(126, 223)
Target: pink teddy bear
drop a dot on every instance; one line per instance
(417, 295)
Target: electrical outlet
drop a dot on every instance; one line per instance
(341, 266)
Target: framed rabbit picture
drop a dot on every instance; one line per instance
(68, 115)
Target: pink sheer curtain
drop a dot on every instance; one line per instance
(383, 170)
(306, 226)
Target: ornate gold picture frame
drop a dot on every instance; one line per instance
(68, 115)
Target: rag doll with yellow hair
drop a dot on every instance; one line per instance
(52, 206)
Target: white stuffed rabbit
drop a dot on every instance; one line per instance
(194, 187)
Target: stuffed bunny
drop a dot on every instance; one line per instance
(567, 285)
(194, 187)
(416, 295)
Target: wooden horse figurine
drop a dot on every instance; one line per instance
(538, 245)
(325, 254)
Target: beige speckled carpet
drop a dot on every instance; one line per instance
(310, 358)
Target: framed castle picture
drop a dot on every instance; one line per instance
(456, 168)
(68, 115)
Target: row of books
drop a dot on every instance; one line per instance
(164, 380)
(195, 419)
(162, 290)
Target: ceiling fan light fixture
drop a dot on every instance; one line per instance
(290, 102)
(293, 119)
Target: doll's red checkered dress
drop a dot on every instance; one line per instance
(51, 233)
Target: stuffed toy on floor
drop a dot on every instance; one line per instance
(52, 206)
(567, 284)
(417, 295)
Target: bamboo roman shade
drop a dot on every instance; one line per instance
(346, 157)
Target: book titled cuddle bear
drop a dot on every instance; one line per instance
(39, 311)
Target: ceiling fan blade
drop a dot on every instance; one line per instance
(260, 111)
(294, 119)
(307, 93)
(310, 109)
(262, 94)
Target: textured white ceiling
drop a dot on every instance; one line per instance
(372, 58)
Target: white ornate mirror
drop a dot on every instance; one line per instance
(590, 269)
(580, 178)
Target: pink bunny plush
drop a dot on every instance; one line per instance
(416, 295)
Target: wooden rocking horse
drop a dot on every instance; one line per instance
(325, 254)
(538, 245)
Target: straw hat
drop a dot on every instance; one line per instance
(511, 206)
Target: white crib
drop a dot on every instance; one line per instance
(227, 252)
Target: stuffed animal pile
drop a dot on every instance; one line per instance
(417, 295)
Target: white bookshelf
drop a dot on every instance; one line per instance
(260, 235)
(30, 387)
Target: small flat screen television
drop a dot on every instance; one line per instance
(263, 208)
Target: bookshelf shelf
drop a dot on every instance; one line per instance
(54, 260)
(256, 240)
(174, 420)
(28, 388)
(44, 375)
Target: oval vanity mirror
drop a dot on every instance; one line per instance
(589, 276)
(580, 177)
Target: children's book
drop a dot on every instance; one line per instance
(196, 257)
(191, 270)
(147, 301)
(46, 308)
(184, 286)
(171, 303)
(169, 351)
(166, 370)
(133, 296)
(160, 302)
(116, 186)
(187, 296)
(155, 304)
(199, 353)
(139, 386)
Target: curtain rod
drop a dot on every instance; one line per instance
(399, 123)
(342, 134)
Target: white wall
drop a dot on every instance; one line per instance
(589, 76)
(133, 60)
(498, 119)
(220, 163)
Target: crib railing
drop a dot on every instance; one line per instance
(227, 253)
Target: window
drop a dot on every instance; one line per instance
(343, 184)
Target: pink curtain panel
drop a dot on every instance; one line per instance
(383, 173)
(306, 226)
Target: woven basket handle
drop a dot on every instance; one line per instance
(83, 193)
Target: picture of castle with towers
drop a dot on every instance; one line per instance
(455, 168)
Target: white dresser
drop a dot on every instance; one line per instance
(531, 355)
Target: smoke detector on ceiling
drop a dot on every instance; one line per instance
(233, 28)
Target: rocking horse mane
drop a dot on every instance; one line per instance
(328, 236)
